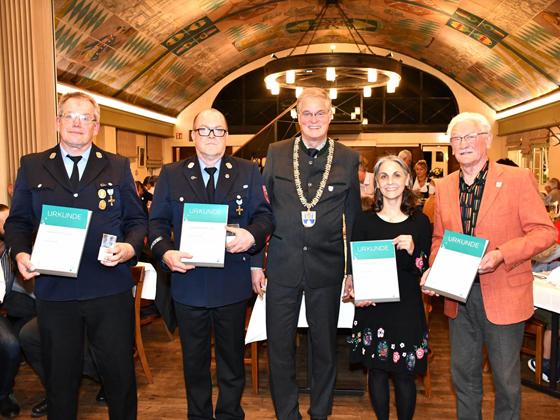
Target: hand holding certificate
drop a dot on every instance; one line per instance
(374, 270)
(60, 240)
(454, 269)
(203, 234)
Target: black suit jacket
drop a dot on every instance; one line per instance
(181, 182)
(316, 253)
(42, 179)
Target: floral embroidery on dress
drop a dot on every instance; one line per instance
(382, 350)
(421, 262)
(410, 361)
(368, 337)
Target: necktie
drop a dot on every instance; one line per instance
(210, 188)
(75, 177)
(312, 152)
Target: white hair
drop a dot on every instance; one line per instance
(480, 120)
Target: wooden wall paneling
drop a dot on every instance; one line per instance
(126, 144)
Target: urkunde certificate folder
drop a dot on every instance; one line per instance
(203, 234)
(60, 240)
(374, 270)
(456, 264)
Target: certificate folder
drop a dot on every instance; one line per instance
(203, 234)
(374, 270)
(456, 264)
(60, 240)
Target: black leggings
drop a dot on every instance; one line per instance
(405, 393)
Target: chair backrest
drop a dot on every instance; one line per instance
(137, 274)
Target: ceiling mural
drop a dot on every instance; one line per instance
(163, 54)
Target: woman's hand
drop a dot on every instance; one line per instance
(348, 294)
(404, 242)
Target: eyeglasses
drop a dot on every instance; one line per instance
(72, 116)
(319, 114)
(469, 138)
(205, 131)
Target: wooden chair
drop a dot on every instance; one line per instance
(252, 358)
(427, 379)
(534, 330)
(138, 276)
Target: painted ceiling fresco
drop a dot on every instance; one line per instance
(163, 54)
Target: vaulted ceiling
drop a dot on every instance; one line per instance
(163, 54)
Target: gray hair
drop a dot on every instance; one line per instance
(79, 95)
(314, 93)
(480, 120)
(397, 160)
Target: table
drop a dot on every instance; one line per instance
(547, 296)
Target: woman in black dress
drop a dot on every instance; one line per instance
(392, 338)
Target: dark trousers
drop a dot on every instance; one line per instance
(195, 329)
(109, 323)
(467, 333)
(282, 311)
(30, 341)
(20, 308)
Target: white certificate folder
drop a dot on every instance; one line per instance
(374, 271)
(456, 264)
(203, 234)
(60, 240)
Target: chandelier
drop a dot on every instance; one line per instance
(333, 71)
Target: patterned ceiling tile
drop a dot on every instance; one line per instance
(163, 54)
(511, 14)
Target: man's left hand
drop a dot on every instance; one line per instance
(490, 261)
(242, 241)
(120, 253)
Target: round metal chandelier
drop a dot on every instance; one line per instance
(333, 71)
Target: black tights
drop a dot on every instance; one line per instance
(405, 393)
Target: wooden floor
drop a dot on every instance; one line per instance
(165, 398)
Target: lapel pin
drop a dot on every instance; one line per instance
(331, 188)
(228, 165)
(227, 176)
(99, 155)
(181, 199)
(193, 177)
(52, 155)
(190, 165)
(499, 184)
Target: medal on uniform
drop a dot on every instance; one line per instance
(308, 218)
(239, 202)
(101, 193)
(102, 205)
(111, 199)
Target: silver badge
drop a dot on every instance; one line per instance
(308, 218)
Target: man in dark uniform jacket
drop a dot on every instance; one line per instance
(78, 174)
(312, 182)
(209, 299)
